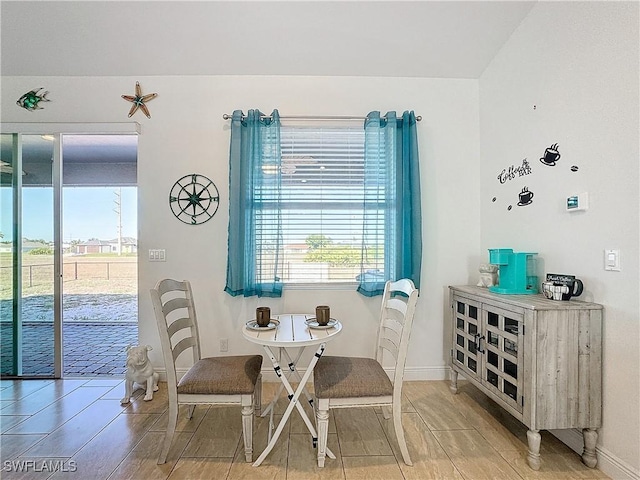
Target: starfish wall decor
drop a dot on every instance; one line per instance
(139, 101)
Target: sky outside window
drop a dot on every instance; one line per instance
(88, 212)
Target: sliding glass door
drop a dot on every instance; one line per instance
(31, 246)
(29, 255)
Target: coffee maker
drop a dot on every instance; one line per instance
(516, 271)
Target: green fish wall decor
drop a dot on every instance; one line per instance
(30, 100)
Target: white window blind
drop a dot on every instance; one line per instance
(321, 196)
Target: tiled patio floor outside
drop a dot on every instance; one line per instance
(90, 348)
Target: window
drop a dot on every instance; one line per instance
(322, 203)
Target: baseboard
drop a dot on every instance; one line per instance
(424, 373)
(607, 462)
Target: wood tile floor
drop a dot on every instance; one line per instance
(77, 429)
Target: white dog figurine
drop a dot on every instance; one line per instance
(139, 371)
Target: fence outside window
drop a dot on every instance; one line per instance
(79, 276)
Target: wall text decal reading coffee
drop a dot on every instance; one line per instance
(515, 171)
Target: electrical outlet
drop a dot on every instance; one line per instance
(224, 344)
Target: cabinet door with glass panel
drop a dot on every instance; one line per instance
(503, 351)
(488, 348)
(466, 335)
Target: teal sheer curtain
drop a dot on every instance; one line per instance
(392, 207)
(255, 238)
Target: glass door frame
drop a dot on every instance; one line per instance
(58, 130)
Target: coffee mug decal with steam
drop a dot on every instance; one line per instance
(525, 197)
(551, 155)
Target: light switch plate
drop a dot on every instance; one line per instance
(157, 255)
(612, 260)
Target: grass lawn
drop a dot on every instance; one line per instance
(83, 274)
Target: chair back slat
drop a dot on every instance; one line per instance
(182, 345)
(390, 346)
(170, 285)
(397, 304)
(403, 285)
(392, 325)
(178, 325)
(179, 303)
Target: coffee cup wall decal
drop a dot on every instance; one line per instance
(551, 155)
(525, 197)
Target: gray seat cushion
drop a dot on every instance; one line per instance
(231, 375)
(348, 377)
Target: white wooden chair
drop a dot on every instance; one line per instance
(344, 382)
(209, 381)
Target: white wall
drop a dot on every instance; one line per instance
(187, 134)
(577, 63)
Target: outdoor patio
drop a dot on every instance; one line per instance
(90, 348)
(97, 327)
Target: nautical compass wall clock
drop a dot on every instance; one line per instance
(194, 199)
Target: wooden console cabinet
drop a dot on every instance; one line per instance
(540, 359)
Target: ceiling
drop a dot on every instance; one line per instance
(89, 160)
(441, 39)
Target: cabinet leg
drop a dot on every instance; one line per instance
(589, 458)
(533, 456)
(453, 385)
